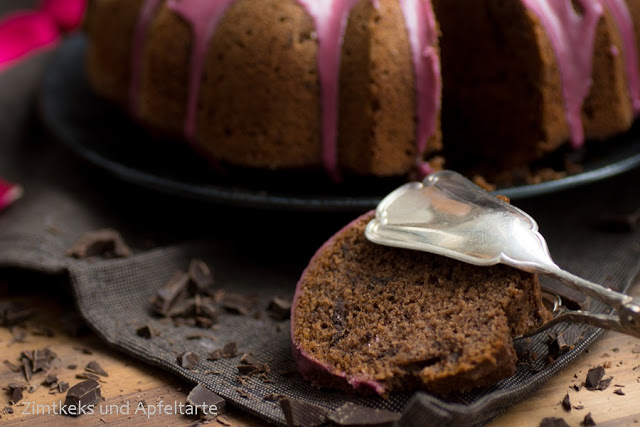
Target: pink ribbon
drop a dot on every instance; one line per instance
(26, 32)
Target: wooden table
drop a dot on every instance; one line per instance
(130, 381)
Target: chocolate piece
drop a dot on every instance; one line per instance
(248, 369)
(351, 414)
(146, 332)
(95, 368)
(12, 313)
(106, 243)
(200, 398)
(170, 293)
(553, 422)
(578, 407)
(566, 403)
(50, 379)
(188, 360)
(63, 386)
(604, 383)
(279, 308)
(619, 392)
(12, 366)
(201, 276)
(298, 413)
(72, 367)
(594, 375)
(588, 420)
(40, 359)
(82, 396)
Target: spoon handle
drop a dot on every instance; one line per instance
(628, 308)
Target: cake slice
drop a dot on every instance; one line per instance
(378, 319)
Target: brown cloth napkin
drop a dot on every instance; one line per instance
(252, 252)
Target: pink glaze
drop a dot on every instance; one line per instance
(203, 16)
(421, 27)
(572, 37)
(147, 13)
(66, 13)
(624, 22)
(308, 364)
(9, 193)
(330, 18)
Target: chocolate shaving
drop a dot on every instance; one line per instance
(88, 376)
(279, 308)
(604, 383)
(237, 303)
(146, 331)
(594, 375)
(170, 292)
(50, 379)
(43, 332)
(13, 313)
(566, 403)
(620, 222)
(200, 397)
(95, 368)
(200, 275)
(228, 351)
(26, 368)
(188, 360)
(63, 386)
(578, 407)
(12, 366)
(105, 243)
(16, 393)
(568, 339)
(619, 392)
(82, 396)
(298, 413)
(274, 397)
(588, 421)
(351, 414)
(553, 422)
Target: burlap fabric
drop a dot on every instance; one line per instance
(251, 252)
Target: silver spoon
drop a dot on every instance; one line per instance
(447, 214)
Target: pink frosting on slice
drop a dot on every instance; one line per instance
(203, 17)
(421, 27)
(147, 12)
(624, 22)
(572, 36)
(330, 18)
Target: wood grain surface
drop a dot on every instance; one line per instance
(130, 381)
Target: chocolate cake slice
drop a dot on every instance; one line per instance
(377, 319)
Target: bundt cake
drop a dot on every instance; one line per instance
(380, 319)
(355, 86)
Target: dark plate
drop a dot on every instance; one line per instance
(103, 135)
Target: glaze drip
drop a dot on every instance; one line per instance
(147, 12)
(203, 17)
(624, 22)
(572, 37)
(330, 19)
(421, 27)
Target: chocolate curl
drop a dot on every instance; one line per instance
(9, 193)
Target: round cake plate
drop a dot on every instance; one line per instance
(106, 137)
